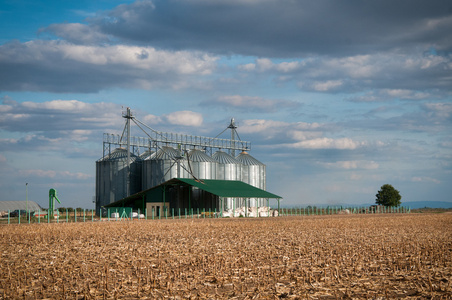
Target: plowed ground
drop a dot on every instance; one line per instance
(316, 257)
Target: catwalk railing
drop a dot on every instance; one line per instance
(89, 215)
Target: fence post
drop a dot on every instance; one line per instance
(9, 216)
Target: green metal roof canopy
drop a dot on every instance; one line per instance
(227, 188)
(221, 188)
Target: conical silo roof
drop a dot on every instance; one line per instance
(147, 155)
(196, 155)
(166, 153)
(119, 154)
(224, 158)
(248, 160)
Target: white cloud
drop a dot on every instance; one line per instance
(425, 179)
(60, 115)
(266, 64)
(254, 103)
(61, 66)
(54, 174)
(326, 85)
(148, 58)
(385, 75)
(5, 108)
(263, 126)
(183, 118)
(328, 143)
(352, 164)
(72, 106)
(440, 110)
(151, 119)
(76, 33)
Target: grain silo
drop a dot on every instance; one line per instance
(201, 165)
(228, 168)
(146, 154)
(166, 164)
(146, 172)
(253, 173)
(113, 180)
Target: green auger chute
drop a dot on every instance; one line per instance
(52, 197)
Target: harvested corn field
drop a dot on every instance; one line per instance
(316, 257)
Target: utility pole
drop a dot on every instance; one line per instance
(26, 197)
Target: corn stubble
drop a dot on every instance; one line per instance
(317, 257)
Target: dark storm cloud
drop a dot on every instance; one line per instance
(283, 28)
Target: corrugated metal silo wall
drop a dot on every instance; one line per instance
(162, 167)
(111, 180)
(253, 173)
(202, 165)
(228, 169)
(135, 177)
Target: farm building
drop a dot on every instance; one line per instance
(6, 206)
(177, 173)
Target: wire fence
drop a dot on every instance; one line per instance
(123, 214)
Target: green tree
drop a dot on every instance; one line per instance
(388, 196)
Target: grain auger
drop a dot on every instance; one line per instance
(52, 197)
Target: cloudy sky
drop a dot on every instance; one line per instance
(336, 97)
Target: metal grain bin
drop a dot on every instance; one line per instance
(146, 155)
(166, 164)
(146, 174)
(112, 180)
(253, 172)
(202, 165)
(228, 168)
